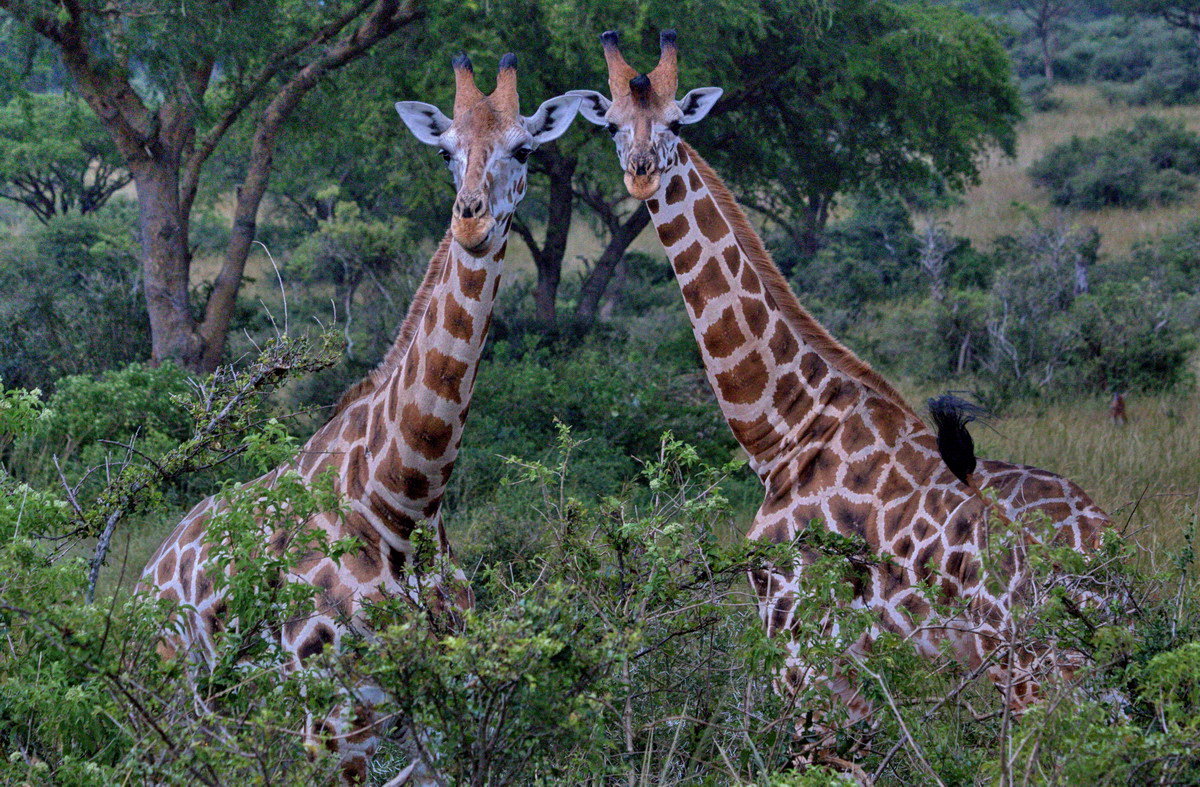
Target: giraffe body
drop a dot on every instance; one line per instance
(394, 438)
(830, 439)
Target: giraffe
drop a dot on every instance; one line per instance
(829, 438)
(394, 437)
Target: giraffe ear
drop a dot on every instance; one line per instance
(593, 106)
(425, 121)
(697, 103)
(552, 119)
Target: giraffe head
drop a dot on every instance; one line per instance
(486, 147)
(643, 115)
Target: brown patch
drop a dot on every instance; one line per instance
(411, 366)
(750, 282)
(756, 316)
(886, 419)
(394, 520)
(894, 486)
(709, 283)
(166, 568)
(930, 555)
(428, 435)
(652, 204)
(783, 344)
(406, 481)
(917, 607)
(671, 232)
(891, 580)
(850, 519)
(396, 562)
(960, 530)
(779, 615)
(862, 477)
(733, 259)
(355, 421)
(812, 368)
(724, 335)
(903, 548)
(758, 436)
(356, 472)
(185, 571)
(444, 374)
(325, 578)
(204, 585)
(685, 260)
(1058, 512)
(316, 642)
(954, 564)
(745, 382)
(675, 190)
(376, 434)
(471, 282)
(694, 181)
(709, 220)
(458, 321)
(791, 400)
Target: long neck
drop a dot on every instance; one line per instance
(398, 442)
(780, 379)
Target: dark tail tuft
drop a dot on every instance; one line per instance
(950, 417)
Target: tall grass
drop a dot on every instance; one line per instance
(1146, 474)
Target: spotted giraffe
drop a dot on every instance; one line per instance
(394, 437)
(830, 439)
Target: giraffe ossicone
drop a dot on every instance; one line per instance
(831, 440)
(394, 437)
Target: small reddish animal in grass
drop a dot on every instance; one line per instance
(1116, 409)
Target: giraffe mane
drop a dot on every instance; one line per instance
(404, 338)
(833, 351)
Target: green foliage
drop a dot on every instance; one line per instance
(1151, 163)
(626, 653)
(70, 302)
(55, 156)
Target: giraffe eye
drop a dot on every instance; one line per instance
(445, 154)
(522, 154)
(612, 129)
(673, 127)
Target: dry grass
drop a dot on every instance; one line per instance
(1145, 474)
(992, 208)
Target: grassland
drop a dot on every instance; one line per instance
(993, 207)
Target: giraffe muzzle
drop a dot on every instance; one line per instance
(473, 233)
(642, 185)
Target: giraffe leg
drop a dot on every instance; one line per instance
(841, 728)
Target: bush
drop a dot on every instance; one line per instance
(1155, 161)
(71, 300)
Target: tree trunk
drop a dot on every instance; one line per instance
(597, 281)
(549, 258)
(1047, 59)
(166, 261)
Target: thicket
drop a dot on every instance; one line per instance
(1152, 163)
(1137, 59)
(622, 646)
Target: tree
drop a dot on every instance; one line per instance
(857, 97)
(55, 157)
(1044, 16)
(168, 85)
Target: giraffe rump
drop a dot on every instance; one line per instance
(950, 416)
(395, 354)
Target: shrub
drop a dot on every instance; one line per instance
(71, 301)
(1152, 162)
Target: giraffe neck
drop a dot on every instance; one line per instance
(780, 379)
(399, 442)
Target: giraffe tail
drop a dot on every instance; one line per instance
(951, 415)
